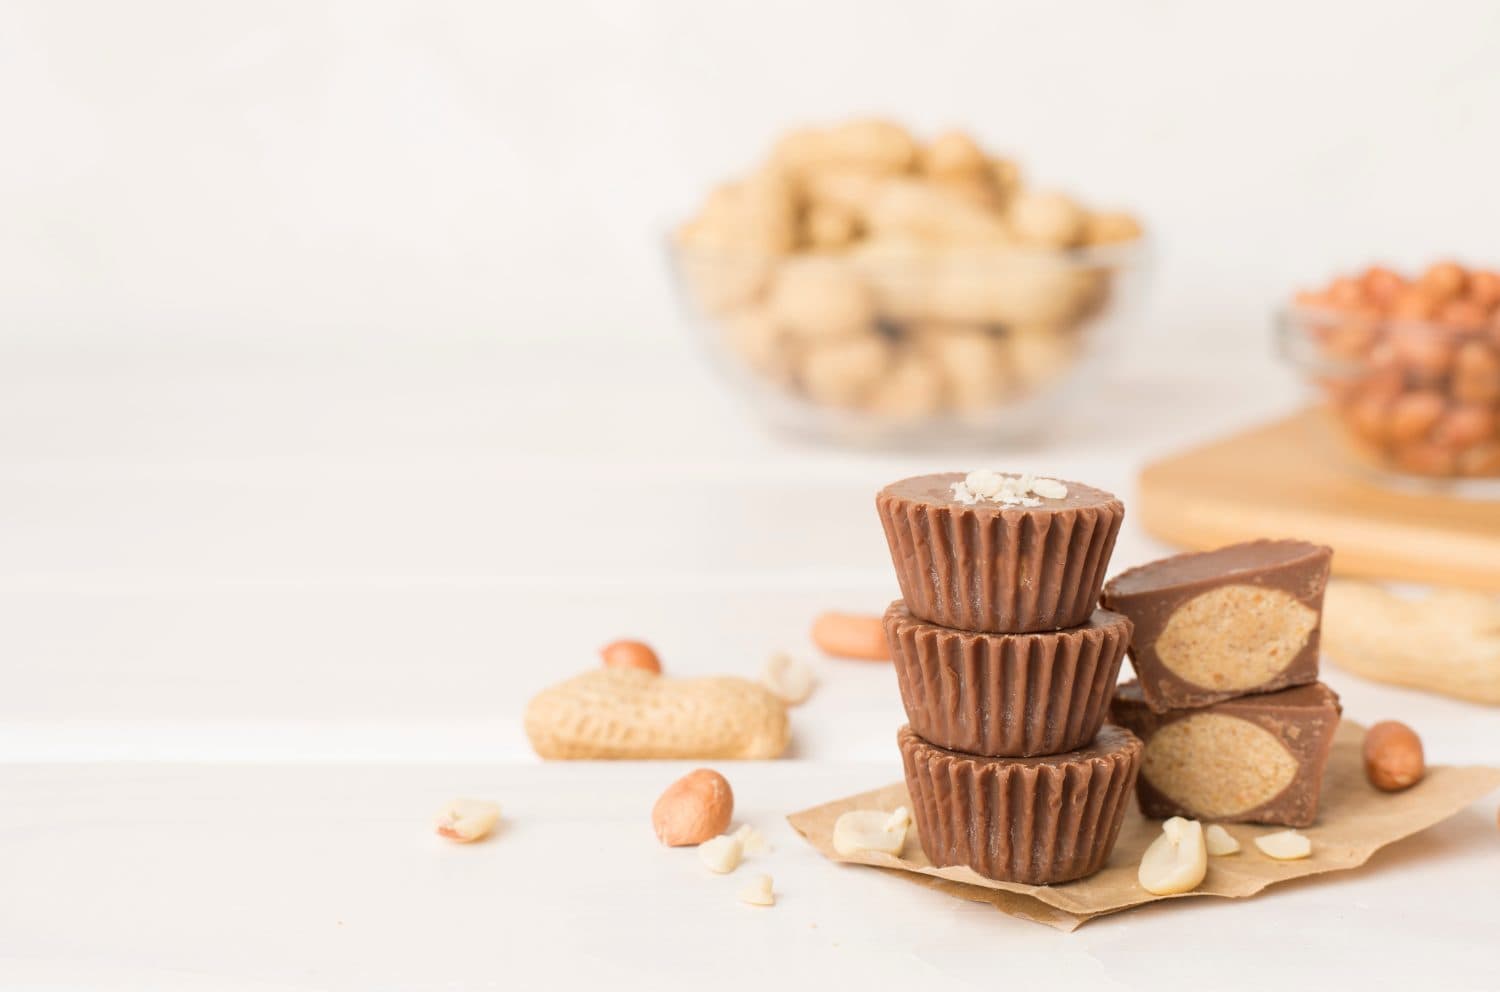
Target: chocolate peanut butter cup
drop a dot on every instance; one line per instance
(1034, 563)
(1031, 820)
(1006, 695)
(1255, 759)
(1213, 625)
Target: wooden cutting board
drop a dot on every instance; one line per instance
(1287, 479)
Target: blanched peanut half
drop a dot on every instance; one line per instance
(1284, 845)
(722, 854)
(751, 840)
(788, 679)
(1176, 861)
(849, 635)
(861, 830)
(1219, 841)
(900, 819)
(467, 820)
(1049, 489)
(758, 892)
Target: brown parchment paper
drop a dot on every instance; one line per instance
(1354, 822)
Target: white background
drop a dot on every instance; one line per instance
(304, 169)
(343, 405)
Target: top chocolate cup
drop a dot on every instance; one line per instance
(993, 568)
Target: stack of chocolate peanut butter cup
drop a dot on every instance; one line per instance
(1236, 725)
(1006, 668)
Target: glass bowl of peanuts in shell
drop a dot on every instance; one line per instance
(866, 287)
(1408, 368)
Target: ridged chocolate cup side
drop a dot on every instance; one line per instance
(1037, 821)
(999, 569)
(1006, 695)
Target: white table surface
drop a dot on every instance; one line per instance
(264, 609)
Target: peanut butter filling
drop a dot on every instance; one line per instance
(1235, 637)
(1217, 766)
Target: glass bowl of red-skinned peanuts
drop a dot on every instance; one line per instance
(1408, 366)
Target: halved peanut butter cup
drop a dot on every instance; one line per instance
(1255, 759)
